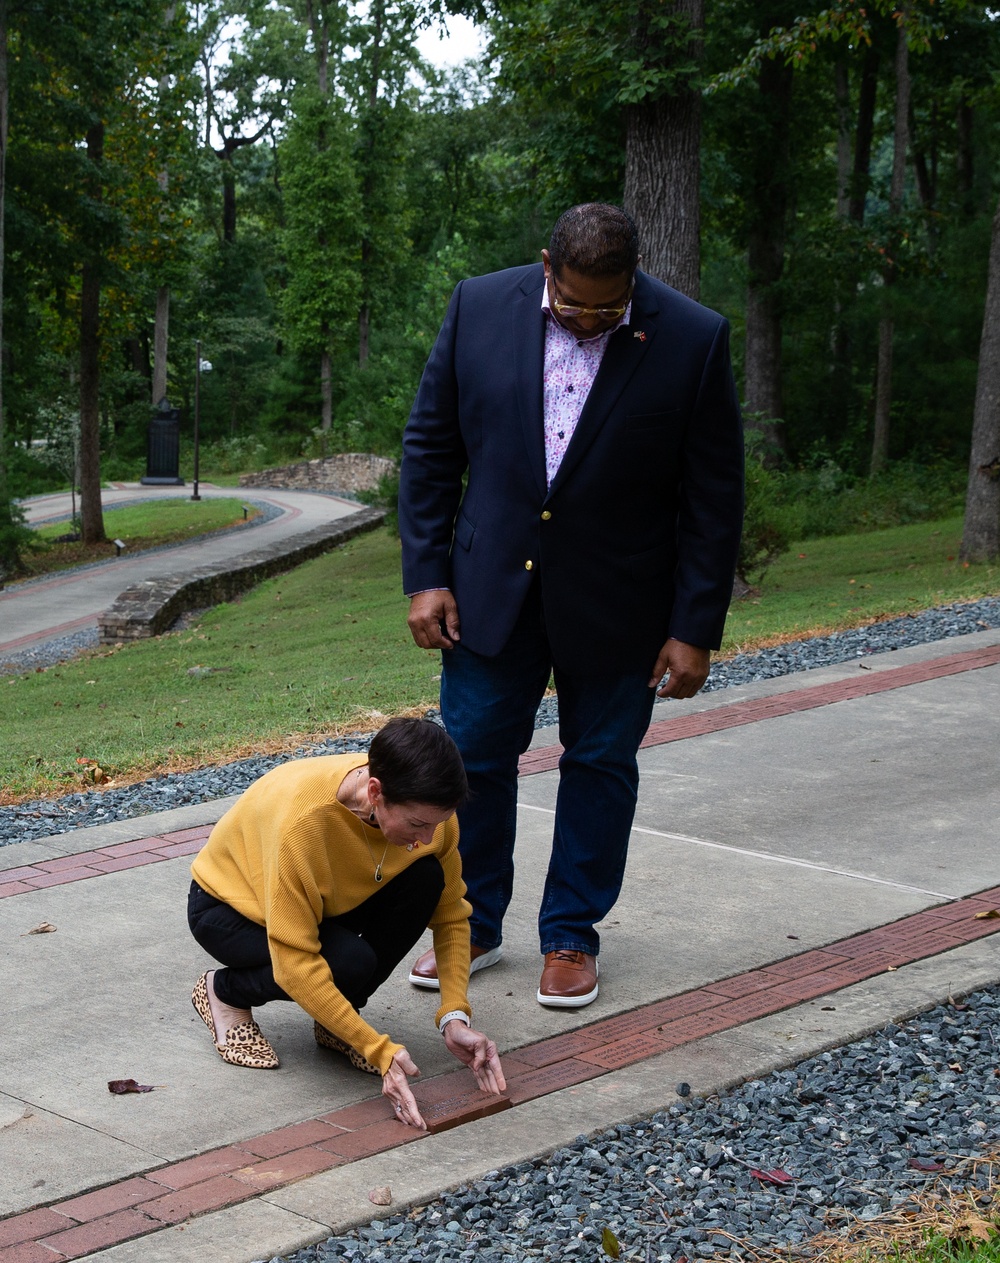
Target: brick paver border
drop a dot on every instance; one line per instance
(179, 1191)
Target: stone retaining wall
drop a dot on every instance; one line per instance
(350, 472)
(150, 607)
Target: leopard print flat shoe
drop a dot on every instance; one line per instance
(245, 1044)
(327, 1039)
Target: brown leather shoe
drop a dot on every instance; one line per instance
(425, 974)
(569, 980)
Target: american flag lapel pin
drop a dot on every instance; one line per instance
(640, 335)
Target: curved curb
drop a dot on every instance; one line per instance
(148, 608)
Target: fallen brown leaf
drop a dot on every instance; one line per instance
(990, 915)
(121, 1086)
(381, 1196)
(43, 927)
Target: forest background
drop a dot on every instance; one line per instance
(288, 184)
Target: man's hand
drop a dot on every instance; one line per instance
(396, 1088)
(428, 612)
(478, 1053)
(687, 666)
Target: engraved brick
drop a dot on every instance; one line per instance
(28, 1252)
(444, 1115)
(206, 1165)
(13, 888)
(374, 1139)
(749, 1008)
(16, 874)
(177, 849)
(626, 1052)
(100, 1233)
(32, 1224)
(127, 861)
(107, 1200)
(742, 984)
(196, 834)
(285, 1139)
(363, 1114)
(807, 963)
(133, 848)
(60, 879)
(80, 860)
(564, 1074)
(549, 1052)
(287, 1167)
(687, 1029)
(196, 1199)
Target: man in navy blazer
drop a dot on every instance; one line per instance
(593, 411)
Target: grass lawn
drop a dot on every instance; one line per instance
(140, 526)
(325, 649)
(842, 581)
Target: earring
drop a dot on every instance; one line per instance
(371, 816)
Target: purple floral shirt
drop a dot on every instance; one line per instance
(569, 371)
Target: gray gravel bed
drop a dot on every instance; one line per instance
(858, 1130)
(74, 811)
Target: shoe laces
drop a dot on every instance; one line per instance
(565, 954)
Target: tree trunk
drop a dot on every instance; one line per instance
(663, 173)
(981, 533)
(964, 155)
(842, 97)
(160, 343)
(883, 385)
(766, 252)
(863, 135)
(228, 200)
(364, 316)
(326, 388)
(91, 514)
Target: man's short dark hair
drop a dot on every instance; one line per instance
(595, 239)
(417, 762)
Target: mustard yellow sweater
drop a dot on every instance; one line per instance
(287, 855)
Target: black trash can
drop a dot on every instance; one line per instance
(163, 447)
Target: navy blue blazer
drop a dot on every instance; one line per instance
(636, 539)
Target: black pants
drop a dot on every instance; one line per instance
(362, 947)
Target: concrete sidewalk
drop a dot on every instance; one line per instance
(777, 825)
(69, 600)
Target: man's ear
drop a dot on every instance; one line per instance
(546, 262)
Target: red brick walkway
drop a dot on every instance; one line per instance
(176, 1192)
(179, 1191)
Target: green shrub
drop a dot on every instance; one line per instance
(768, 521)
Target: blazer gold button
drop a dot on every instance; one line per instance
(546, 515)
(529, 565)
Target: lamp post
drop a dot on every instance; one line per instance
(200, 366)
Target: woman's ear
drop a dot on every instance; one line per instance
(374, 789)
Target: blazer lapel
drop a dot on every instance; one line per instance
(528, 323)
(624, 352)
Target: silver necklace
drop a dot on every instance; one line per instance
(364, 834)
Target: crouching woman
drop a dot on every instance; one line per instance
(317, 883)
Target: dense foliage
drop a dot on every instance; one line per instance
(287, 182)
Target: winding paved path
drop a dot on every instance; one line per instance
(69, 600)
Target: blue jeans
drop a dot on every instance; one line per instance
(488, 706)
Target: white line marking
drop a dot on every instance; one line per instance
(775, 859)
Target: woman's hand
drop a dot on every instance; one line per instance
(396, 1088)
(478, 1053)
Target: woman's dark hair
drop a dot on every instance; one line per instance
(417, 762)
(595, 239)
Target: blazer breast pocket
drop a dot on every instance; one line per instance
(640, 422)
